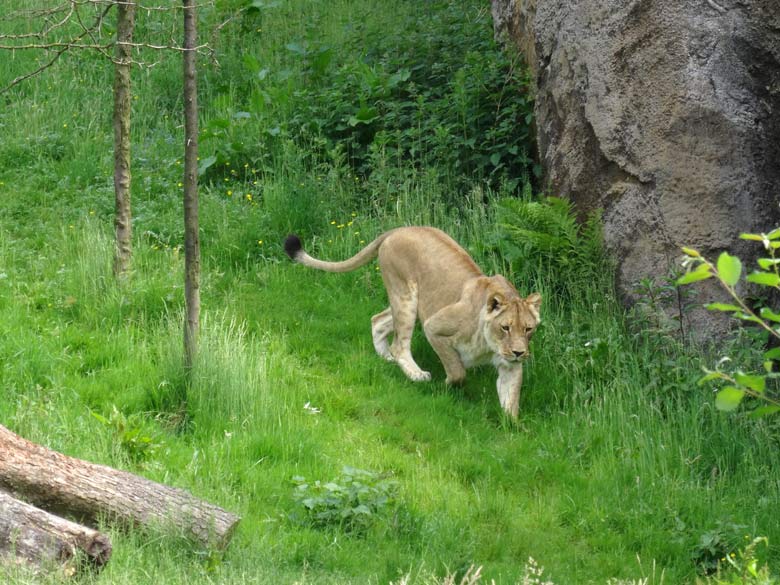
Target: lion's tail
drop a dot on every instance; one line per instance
(294, 249)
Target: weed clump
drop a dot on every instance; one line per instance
(353, 502)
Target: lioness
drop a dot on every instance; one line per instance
(468, 318)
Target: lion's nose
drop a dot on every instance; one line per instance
(518, 353)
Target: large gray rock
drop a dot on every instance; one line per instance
(665, 114)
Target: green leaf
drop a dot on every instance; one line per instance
(495, 158)
(768, 263)
(205, 164)
(99, 417)
(764, 411)
(747, 317)
(754, 237)
(296, 48)
(364, 115)
(702, 272)
(764, 279)
(691, 252)
(709, 377)
(729, 268)
(769, 314)
(729, 398)
(722, 307)
(755, 383)
(774, 234)
(773, 354)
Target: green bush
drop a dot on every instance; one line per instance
(352, 502)
(759, 385)
(546, 235)
(464, 104)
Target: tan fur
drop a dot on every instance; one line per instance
(468, 318)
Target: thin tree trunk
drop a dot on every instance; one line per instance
(63, 484)
(122, 108)
(47, 541)
(191, 239)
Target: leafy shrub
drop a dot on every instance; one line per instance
(728, 272)
(547, 232)
(352, 502)
(715, 546)
(139, 444)
(744, 567)
(462, 104)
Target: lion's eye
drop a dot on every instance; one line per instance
(528, 330)
(505, 328)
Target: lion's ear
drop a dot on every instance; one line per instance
(495, 303)
(534, 302)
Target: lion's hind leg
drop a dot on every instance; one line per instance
(381, 328)
(404, 316)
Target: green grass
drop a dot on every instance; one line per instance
(618, 467)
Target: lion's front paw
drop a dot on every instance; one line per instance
(420, 376)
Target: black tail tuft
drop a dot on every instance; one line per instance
(292, 245)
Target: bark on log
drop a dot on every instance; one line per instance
(45, 540)
(57, 482)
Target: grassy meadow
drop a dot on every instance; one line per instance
(339, 120)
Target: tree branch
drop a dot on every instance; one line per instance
(63, 48)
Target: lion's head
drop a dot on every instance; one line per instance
(510, 320)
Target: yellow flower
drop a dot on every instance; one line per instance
(180, 184)
(92, 212)
(64, 125)
(229, 193)
(333, 223)
(259, 242)
(249, 197)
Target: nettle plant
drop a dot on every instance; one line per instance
(352, 502)
(728, 272)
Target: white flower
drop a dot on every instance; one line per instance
(311, 409)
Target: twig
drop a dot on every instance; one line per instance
(716, 6)
(57, 55)
(21, 78)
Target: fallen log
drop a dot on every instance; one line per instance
(44, 540)
(60, 483)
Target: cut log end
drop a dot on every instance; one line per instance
(46, 541)
(86, 490)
